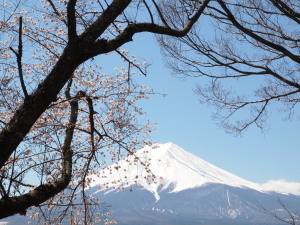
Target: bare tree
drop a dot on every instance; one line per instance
(59, 114)
(248, 59)
(283, 214)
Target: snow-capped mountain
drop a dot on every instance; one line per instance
(186, 190)
(172, 167)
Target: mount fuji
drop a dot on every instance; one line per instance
(179, 188)
(166, 185)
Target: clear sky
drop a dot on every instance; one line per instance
(184, 121)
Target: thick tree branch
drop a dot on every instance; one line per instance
(104, 20)
(102, 46)
(12, 205)
(72, 33)
(29, 112)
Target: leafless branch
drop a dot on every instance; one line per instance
(19, 55)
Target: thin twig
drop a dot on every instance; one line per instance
(19, 54)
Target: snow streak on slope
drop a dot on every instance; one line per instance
(174, 168)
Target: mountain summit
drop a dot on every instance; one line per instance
(185, 170)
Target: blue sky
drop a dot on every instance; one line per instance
(182, 120)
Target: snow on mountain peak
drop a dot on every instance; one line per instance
(186, 170)
(172, 166)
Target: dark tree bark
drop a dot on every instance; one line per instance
(79, 49)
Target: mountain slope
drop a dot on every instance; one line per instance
(186, 191)
(208, 204)
(190, 191)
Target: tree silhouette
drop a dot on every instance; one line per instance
(248, 60)
(60, 115)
